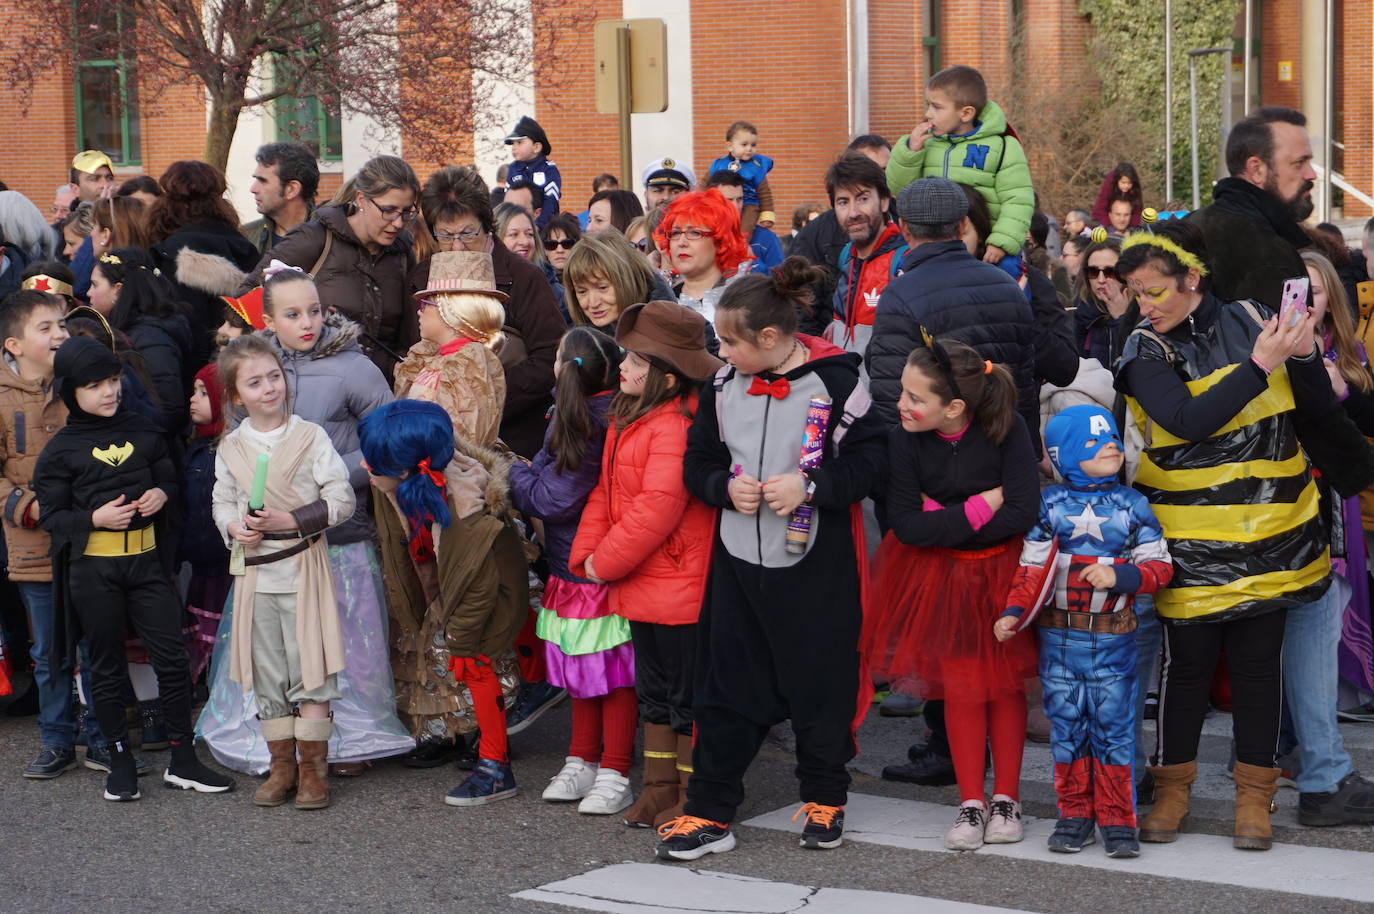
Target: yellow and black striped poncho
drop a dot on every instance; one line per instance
(1240, 509)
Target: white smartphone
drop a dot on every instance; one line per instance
(1293, 305)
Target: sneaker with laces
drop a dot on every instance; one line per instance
(1004, 821)
(572, 782)
(1351, 803)
(1120, 841)
(1071, 835)
(969, 826)
(490, 780)
(824, 826)
(609, 794)
(690, 838)
(534, 699)
(51, 763)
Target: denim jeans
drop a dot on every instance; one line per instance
(1148, 640)
(1309, 688)
(56, 709)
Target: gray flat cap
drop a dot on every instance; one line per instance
(932, 201)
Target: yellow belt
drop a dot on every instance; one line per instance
(120, 542)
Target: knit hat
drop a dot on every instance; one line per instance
(91, 161)
(1066, 441)
(669, 331)
(669, 172)
(527, 128)
(209, 376)
(81, 361)
(932, 201)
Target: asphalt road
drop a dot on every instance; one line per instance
(390, 843)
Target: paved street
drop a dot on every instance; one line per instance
(389, 843)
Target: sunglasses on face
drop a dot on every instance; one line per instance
(563, 244)
(1109, 272)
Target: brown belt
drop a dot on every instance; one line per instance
(1121, 622)
(281, 553)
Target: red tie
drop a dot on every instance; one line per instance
(778, 389)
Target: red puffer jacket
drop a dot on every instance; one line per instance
(646, 535)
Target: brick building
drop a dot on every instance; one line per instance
(827, 70)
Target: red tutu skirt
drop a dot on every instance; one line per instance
(931, 620)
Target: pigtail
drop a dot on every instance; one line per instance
(995, 408)
(412, 440)
(591, 365)
(422, 497)
(957, 372)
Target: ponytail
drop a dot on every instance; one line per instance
(957, 372)
(412, 440)
(591, 365)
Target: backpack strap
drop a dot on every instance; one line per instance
(324, 252)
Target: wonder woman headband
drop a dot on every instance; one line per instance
(1187, 258)
(41, 282)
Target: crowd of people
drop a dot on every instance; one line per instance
(395, 474)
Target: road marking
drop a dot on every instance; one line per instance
(648, 888)
(1325, 872)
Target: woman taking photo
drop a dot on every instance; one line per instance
(1215, 388)
(358, 250)
(1101, 301)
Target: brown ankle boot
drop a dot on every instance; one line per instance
(660, 777)
(1172, 786)
(280, 734)
(684, 771)
(1255, 788)
(312, 745)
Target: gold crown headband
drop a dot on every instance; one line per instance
(111, 258)
(1187, 258)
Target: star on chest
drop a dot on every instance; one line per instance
(1087, 523)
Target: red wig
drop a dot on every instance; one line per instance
(709, 210)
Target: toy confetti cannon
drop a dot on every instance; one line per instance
(812, 450)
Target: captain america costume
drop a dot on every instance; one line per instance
(1087, 661)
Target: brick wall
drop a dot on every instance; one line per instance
(36, 147)
(896, 67)
(1355, 100)
(1280, 30)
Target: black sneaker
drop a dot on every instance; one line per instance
(121, 784)
(98, 758)
(431, 753)
(187, 772)
(535, 698)
(1072, 835)
(1120, 841)
(824, 827)
(51, 763)
(688, 838)
(1352, 803)
(927, 766)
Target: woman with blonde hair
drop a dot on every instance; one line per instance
(120, 222)
(605, 275)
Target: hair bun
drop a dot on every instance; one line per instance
(794, 277)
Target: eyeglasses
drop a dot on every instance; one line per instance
(1109, 272)
(565, 244)
(426, 303)
(393, 214)
(642, 244)
(692, 234)
(464, 237)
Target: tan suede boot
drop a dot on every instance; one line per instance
(660, 777)
(1255, 788)
(280, 733)
(312, 744)
(684, 771)
(1173, 783)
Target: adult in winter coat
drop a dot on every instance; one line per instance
(358, 250)
(196, 244)
(944, 290)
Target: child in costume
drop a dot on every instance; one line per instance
(102, 483)
(285, 640)
(455, 362)
(1095, 543)
(782, 616)
(645, 536)
(201, 544)
(741, 140)
(530, 148)
(963, 487)
(586, 646)
(457, 583)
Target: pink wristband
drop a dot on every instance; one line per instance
(1261, 366)
(977, 511)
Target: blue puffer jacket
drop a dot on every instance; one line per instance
(538, 489)
(945, 290)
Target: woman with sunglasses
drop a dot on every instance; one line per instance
(559, 236)
(1100, 302)
(358, 250)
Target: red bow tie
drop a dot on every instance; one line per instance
(778, 389)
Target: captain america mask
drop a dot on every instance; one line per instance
(1079, 434)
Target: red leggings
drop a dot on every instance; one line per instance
(970, 724)
(609, 721)
(529, 652)
(487, 702)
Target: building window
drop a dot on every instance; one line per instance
(312, 122)
(107, 116)
(931, 40)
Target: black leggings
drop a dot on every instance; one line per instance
(1254, 650)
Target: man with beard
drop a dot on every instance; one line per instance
(861, 201)
(1253, 228)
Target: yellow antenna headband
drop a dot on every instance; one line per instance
(1187, 258)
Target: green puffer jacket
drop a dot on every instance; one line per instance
(990, 159)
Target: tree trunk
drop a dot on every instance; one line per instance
(224, 120)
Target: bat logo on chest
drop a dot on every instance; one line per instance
(113, 455)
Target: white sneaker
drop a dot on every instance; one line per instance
(572, 783)
(1004, 821)
(967, 833)
(608, 796)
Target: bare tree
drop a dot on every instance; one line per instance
(425, 67)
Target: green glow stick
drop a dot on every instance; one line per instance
(255, 498)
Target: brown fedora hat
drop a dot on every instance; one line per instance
(672, 332)
(461, 271)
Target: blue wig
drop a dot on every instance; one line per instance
(395, 439)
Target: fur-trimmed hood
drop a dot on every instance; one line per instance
(209, 273)
(479, 479)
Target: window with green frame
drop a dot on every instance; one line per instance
(106, 87)
(931, 40)
(313, 122)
